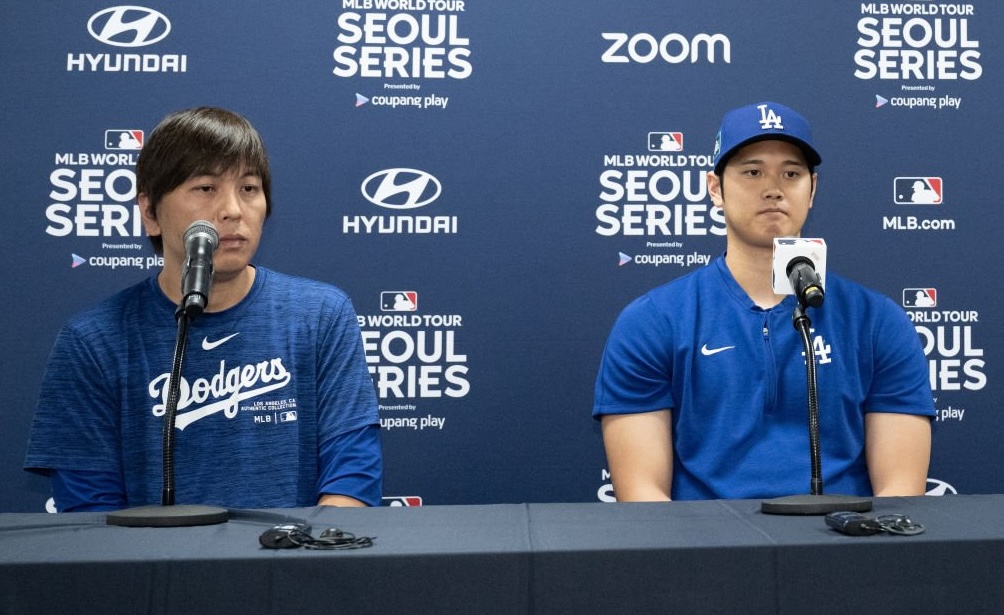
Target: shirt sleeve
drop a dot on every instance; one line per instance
(76, 421)
(901, 381)
(350, 457)
(87, 491)
(357, 465)
(636, 369)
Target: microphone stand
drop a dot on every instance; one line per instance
(168, 514)
(816, 503)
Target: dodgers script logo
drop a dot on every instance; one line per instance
(223, 392)
(129, 26)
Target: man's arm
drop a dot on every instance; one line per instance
(351, 463)
(640, 455)
(328, 499)
(898, 451)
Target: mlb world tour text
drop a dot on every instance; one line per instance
(917, 41)
(402, 45)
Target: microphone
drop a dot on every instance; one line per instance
(800, 269)
(201, 240)
(802, 276)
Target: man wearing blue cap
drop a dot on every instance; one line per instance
(701, 390)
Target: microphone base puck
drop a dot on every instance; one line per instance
(168, 516)
(814, 504)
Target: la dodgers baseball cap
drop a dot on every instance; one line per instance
(760, 121)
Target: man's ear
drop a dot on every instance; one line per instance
(148, 215)
(714, 188)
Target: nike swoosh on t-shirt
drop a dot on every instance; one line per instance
(710, 351)
(207, 345)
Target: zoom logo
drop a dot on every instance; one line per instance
(673, 48)
(401, 188)
(129, 26)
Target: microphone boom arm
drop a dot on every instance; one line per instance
(171, 409)
(801, 322)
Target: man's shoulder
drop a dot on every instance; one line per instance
(685, 287)
(302, 294)
(676, 300)
(122, 303)
(277, 281)
(841, 289)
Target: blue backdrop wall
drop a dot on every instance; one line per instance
(553, 154)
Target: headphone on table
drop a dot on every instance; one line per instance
(295, 535)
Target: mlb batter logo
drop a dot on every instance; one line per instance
(920, 297)
(120, 139)
(665, 141)
(398, 301)
(407, 500)
(918, 190)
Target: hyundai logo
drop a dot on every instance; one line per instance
(939, 487)
(401, 188)
(129, 26)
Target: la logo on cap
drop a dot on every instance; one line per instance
(769, 119)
